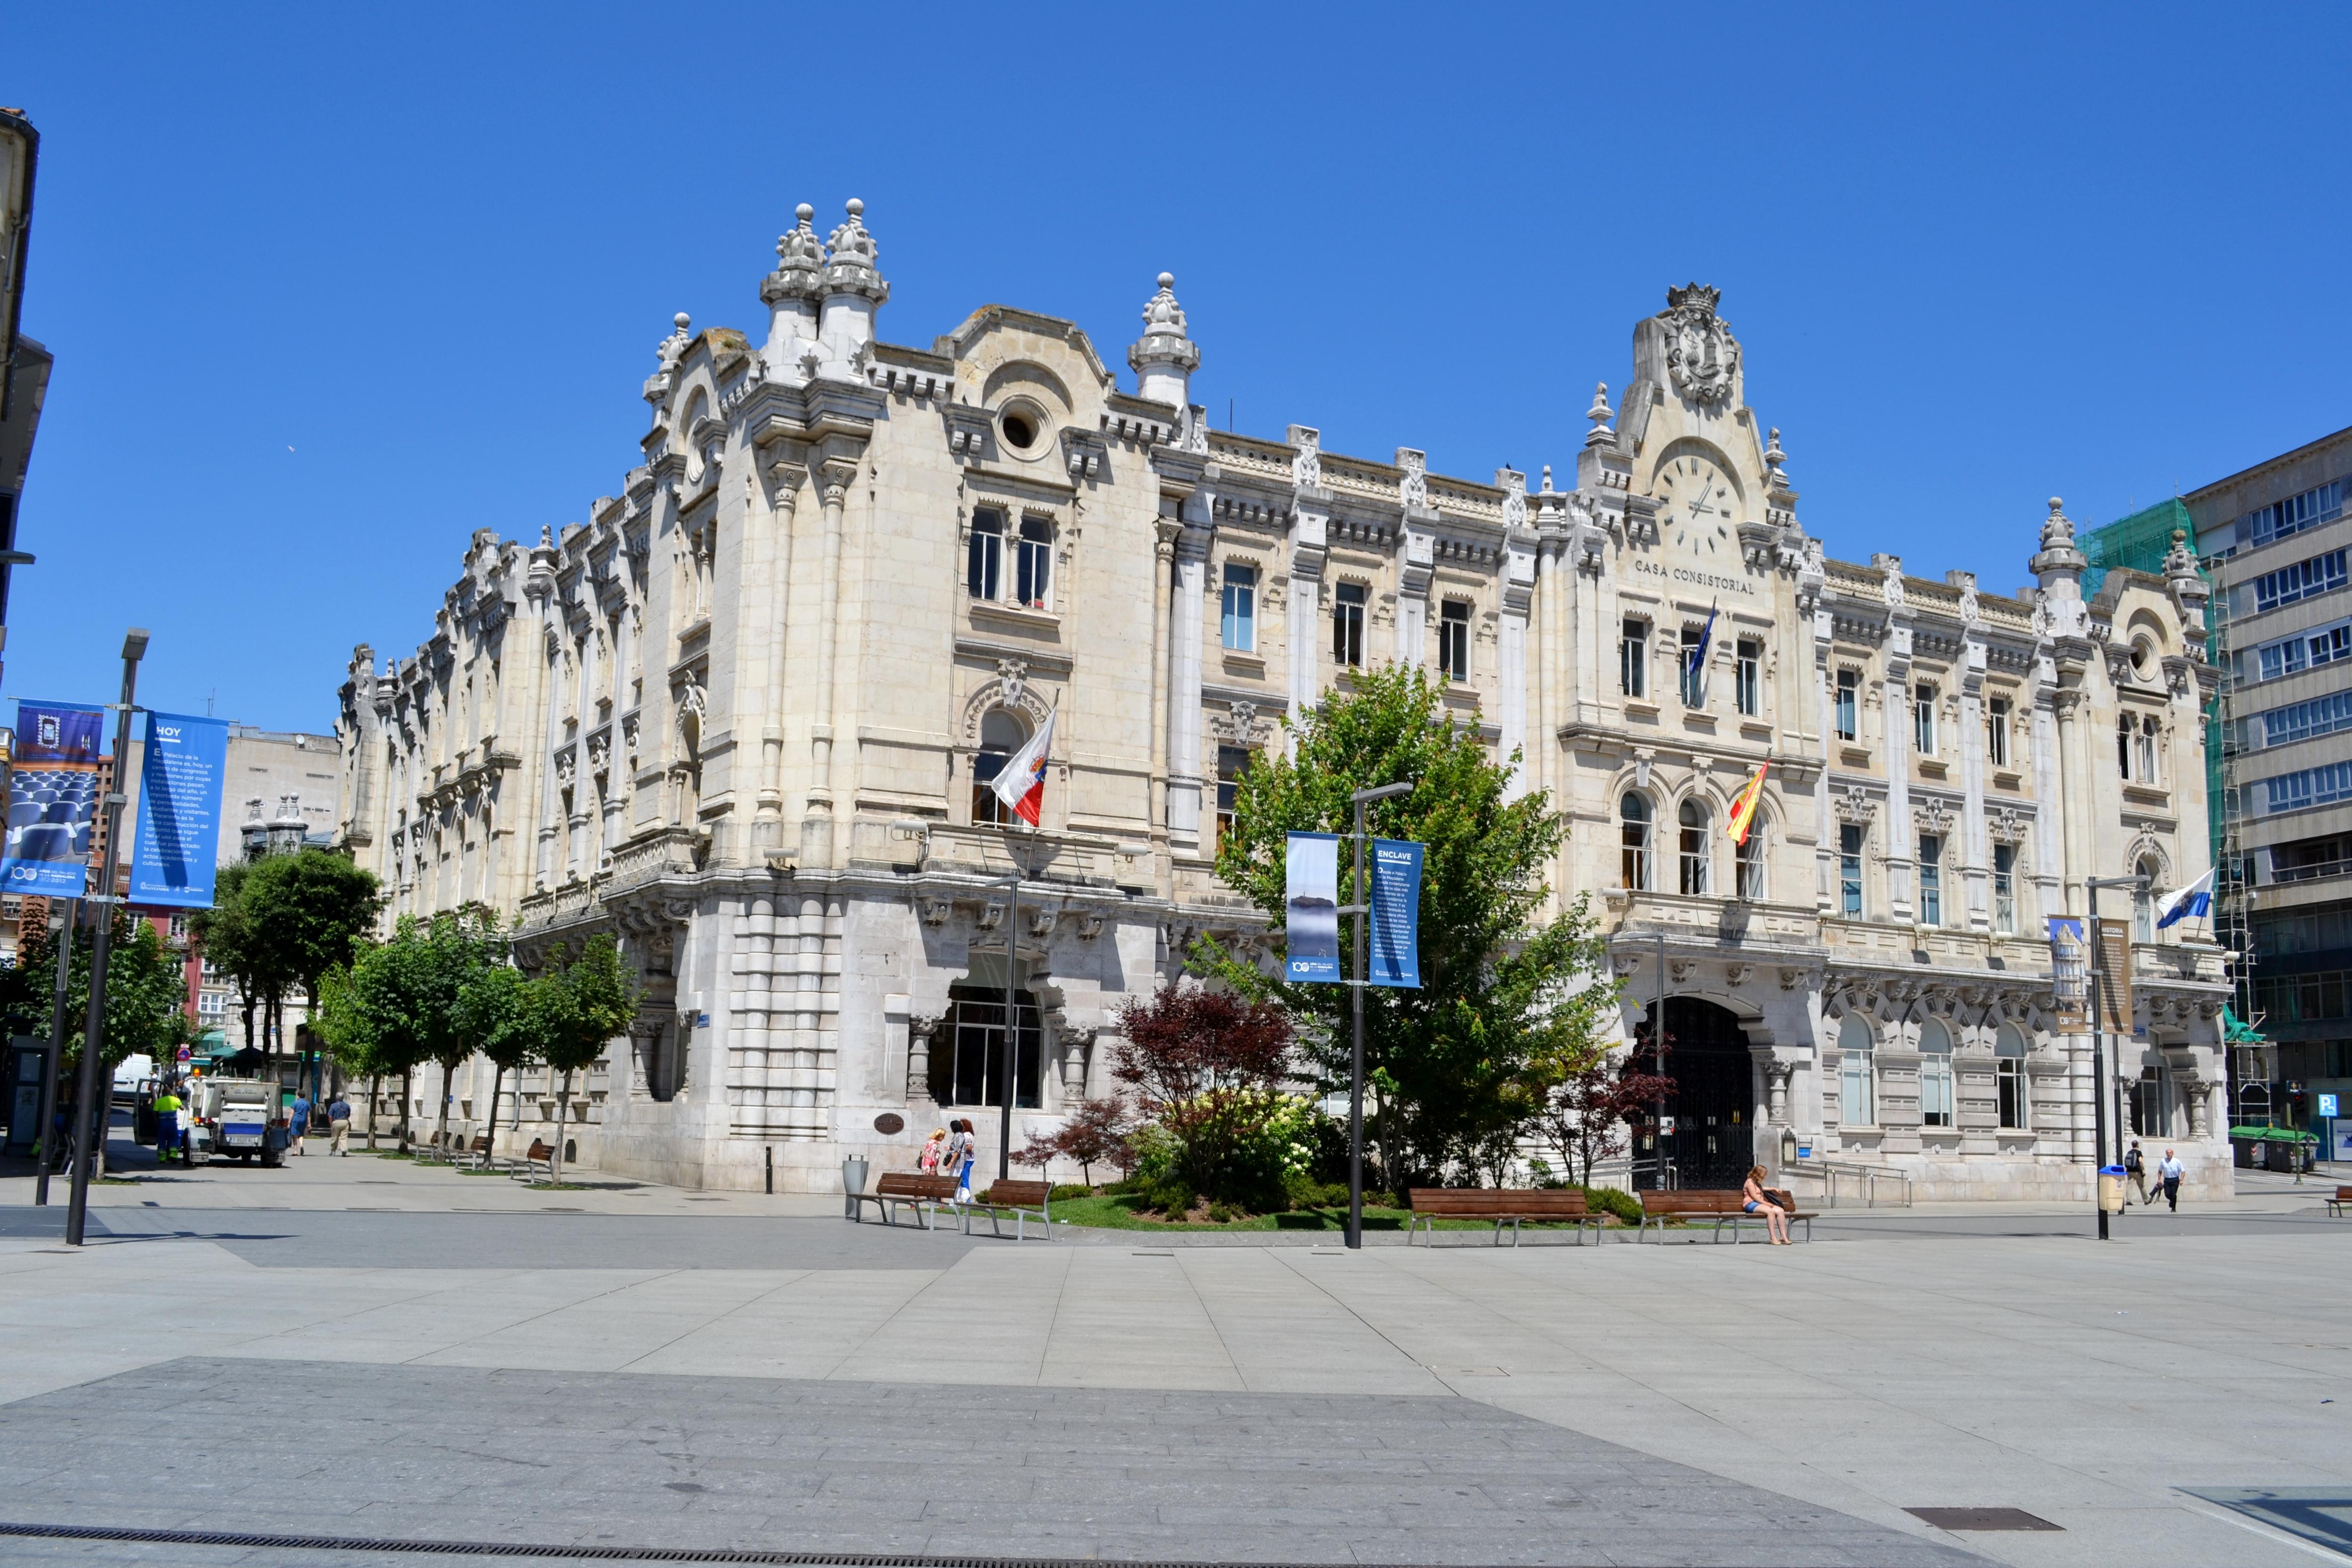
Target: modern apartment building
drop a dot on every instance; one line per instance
(2278, 536)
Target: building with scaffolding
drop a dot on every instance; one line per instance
(2275, 538)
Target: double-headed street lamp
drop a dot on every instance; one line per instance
(1360, 909)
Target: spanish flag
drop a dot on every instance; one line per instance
(1743, 808)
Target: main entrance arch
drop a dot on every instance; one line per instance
(1714, 1106)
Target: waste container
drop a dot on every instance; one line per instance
(2111, 1188)
(853, 1181)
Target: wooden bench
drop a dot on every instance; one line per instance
(477, 1156)
(925, 1195)
(540, 1161)
(1024, 1201)
(2335, 1205)
(1724, 1209)
(1514, 1205)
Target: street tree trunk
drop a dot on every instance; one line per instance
(555, 1156)
(497, 1076)
(407, 1086)
(375, 1098)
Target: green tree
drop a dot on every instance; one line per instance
(230, 944)
(592, 1001)
(1508, 1004)
(146, 999)
(506, 1018)
(341, 1023)
(391, 1009)
(307, 909)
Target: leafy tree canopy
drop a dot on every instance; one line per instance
(146, 991)
(1508, 1004)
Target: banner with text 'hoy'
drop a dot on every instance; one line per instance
(179, 811)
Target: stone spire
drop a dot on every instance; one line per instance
(1164, 358)
(1599, 414)
(853, 289)
(669, 351)
(2058, 566)
(792, 292)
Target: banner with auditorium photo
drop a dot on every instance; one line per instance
(52, 799)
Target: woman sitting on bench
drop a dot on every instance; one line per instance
(1754, 1201)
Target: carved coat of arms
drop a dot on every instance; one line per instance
(1701, 354)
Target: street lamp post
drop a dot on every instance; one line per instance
(2099, 1082)
(90, 1117)
(1360, 909)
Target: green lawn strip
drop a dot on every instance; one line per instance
(1122, 1213)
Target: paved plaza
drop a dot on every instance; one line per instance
(366, 1350)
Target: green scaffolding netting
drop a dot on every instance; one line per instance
(2139, 541)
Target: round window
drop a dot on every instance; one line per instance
(2143, 655)
(1022, 427)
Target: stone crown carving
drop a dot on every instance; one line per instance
(1702, 356)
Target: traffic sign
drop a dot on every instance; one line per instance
(2327, 1105)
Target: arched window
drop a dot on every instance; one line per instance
(1633, 811)
(1693, 818)
(1001, 735)
(2009, 1074)
(1857, 1089)
(1935, 1074)
(2143, 902)
(1750, 861)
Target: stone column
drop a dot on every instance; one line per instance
(816, 827)
(1518, 587)
(1166, 531)
(1975, 855)
(921, 1032)
(1184, 678)
(767, 830)
(1901, 841)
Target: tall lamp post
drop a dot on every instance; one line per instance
(2100, 1083)
(1360, 909)
(90, 1116)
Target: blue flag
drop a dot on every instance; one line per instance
(1705, 635)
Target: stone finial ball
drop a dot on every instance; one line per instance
(681, 320)
(2055, 503)
(1168, 281)
(804, 212)
(856, 206)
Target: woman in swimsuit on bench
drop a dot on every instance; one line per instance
(1753, 1201)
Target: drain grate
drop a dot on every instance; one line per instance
(593, 1553)
(1981, 1518)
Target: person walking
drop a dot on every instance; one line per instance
(1755, 1200)
(167, 1126)
(339, 1123)
(300, 1115)
(961, 1148)
(934, 1148)
(2136, 1168)
(2169, 1171)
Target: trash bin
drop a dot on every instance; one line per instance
(2111, 1188)
(853, 1181)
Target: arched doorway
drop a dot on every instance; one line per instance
(1714, 1105)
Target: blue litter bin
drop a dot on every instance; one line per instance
(2111, 1188)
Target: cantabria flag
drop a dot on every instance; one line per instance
(1743, 806)
(1020, 784)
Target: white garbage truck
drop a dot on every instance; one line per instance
(241, 1116)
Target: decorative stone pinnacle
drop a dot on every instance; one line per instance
(2057, 528)
(1599, 414)
(851, 266)
(1547, 479)
(672, 346)
(1165, 340)
(800, 262)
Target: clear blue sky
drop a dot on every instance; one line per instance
(330, 288)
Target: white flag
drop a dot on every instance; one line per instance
(1020, 784)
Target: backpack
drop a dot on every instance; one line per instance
(2132, 1162)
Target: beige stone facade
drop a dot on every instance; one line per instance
(740, 714)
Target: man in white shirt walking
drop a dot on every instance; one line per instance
(2169, 1171)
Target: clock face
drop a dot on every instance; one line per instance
(1697, 503)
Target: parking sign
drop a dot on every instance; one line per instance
(2327, 1105)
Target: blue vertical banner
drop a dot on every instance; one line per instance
(52, 797)
(1395, 955)
(1310, 893)
(179, 811)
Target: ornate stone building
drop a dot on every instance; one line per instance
(742, 715)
